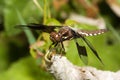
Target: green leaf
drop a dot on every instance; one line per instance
(25, 69)
(75, 24)
(10, 15)
(10, 21)
(4, 49)
(27, 9)
(52, 21)
(30, 37)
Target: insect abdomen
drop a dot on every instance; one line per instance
(91, 33)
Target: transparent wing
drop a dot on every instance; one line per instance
(82, 53)
(92, 48)
(45, 28)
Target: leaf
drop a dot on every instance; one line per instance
(10, 16)
(25, 69)
(53, 21)
(27, 9)
(83, 26)
(10, 21)
(30, 37)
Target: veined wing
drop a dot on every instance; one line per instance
(92, 48)
(82, 53)
(81, 49)
(44, 28)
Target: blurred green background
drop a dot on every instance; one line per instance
(16, 63)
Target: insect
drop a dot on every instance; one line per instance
(68, 33)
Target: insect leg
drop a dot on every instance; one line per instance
(51, 45)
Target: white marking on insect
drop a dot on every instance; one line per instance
(86, 34)
(65, 37)
(95, 34)
(56, 36)
(90, 34)
(99, 33)
(102, 32)
(82, 33)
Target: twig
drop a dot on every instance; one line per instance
(63, 69)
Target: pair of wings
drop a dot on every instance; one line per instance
(83, 52)
(81, 49)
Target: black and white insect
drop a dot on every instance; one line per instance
(68, 33)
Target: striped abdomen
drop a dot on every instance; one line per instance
(91, 33)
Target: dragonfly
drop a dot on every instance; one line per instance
(67, 33)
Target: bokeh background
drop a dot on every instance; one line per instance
(16, 62)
